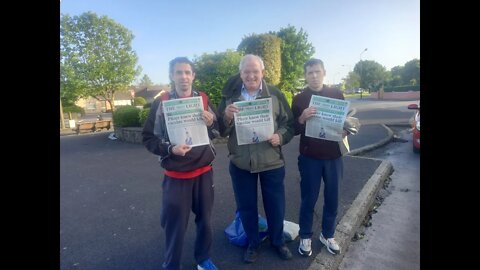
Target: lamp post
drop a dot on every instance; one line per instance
(335, 75)
(347, 66)
(361, 72)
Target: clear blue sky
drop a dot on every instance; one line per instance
(339, 30)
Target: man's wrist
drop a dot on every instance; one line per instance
(300, 121)
(170, 149)
(227, 122)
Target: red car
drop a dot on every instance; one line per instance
(416, 127)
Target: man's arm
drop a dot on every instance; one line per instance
(158, 145)
(285, 119)
(297, 111)
(213, 129)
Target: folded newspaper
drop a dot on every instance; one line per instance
(351, 125)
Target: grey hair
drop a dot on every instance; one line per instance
(250, 57)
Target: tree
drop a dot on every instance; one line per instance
(268, 47)
(371, 73)
(411, 72)
(213, 71)
(145, 81)
(296, 50)
(352, 81)
(96, 57)
(69, 86)
(396, 76)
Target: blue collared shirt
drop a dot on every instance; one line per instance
(247, 95)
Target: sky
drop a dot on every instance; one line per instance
(339, 30)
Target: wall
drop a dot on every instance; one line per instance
(410, 95)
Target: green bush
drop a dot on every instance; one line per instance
(288, 96)
(139, 101)
(147, 105)
(74, 109)
(126, 116)
(142, 115)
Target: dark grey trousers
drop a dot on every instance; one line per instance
(179, 197)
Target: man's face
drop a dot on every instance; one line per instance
(183, 77)
(251, 74)
(314, 76)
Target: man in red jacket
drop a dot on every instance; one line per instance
(188, 181)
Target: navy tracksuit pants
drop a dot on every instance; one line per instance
(179, 197)
(273, 194)
(312, 171)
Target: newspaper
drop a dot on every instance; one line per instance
(327, 123)
(183, 118)
(254, 121)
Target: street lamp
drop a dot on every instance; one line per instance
(362, 53)
(335, 75)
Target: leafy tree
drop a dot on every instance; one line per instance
(69, 86)
(411, 72)
(352, 80)
(96, 57)
(296, 50)
(396, 76)
(213, 71)
(145, 81)
(268, 47)
(371, 73)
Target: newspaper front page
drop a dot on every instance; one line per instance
(254, 121)
(327, 123)
(183, 118)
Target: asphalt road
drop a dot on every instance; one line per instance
(110, 197)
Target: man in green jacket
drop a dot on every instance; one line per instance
(262, 160)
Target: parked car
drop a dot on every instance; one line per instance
(415, 127)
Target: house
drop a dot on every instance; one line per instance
(94, 105)
(151, 93)
(123, 98)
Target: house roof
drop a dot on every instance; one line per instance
(150, 93)
(123, 95)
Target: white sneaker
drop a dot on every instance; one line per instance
(305, 247)
(331, 244)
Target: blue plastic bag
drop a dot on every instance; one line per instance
(237, 236)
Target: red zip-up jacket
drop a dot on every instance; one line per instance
(155, 138)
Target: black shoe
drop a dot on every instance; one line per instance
(284, 252)
(251, 254)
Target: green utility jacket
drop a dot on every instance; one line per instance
(261, 156)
